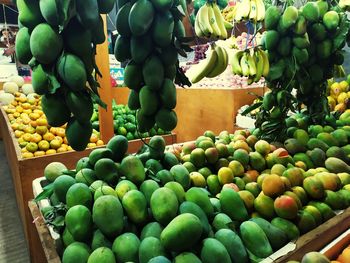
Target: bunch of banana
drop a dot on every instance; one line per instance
(251, 63)
(229, 13)
(209, 22)
(253, 10)
(215, 64)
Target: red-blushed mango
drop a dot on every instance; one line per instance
(236, 167)
(253, 174)
(262, 147)
(286, 207)
(295, 197)
(278, 169)
(294, 175)
(212, 155)
(225, 175)
(314, 187)
(330, 181)
(254, 188)
(251, 140)
(287, 184)
(273, 185)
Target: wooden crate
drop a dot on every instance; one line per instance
(24, 171)
(336, 247)
(314, 240)
(203, 109)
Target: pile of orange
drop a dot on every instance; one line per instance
(34, 135)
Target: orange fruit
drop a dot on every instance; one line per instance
(41, 130)
(27, 155)
(55, 144)
(53, 130)
(48, 136)
(44, 145)
(93, 138)
(34, 116)
(61, 149)
(240, 144)
(33, 124)
(253, 174)
(36, 138)
(19, 109)
(50, 151)
(41, 122)
(99, 143)
(32, 147)
(27, 137)
(69, 148)
(59, 138)
(91, 145)
(60, 132)
(18, 133)
(39, 153)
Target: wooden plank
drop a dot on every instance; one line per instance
(316, 239)
(102, 61)
(209, 109)
(120, 95)
(43, 233)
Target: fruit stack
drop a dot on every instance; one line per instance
(59, 42)
(124, 123)
(338, 96)
(149, 34)
(32, 131)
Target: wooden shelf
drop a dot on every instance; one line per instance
(203, 109)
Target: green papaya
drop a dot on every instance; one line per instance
(168, 94)
(133, 100)
(272, 17)
(162, 29)
(153, 72)
(311, 12)
(45, 43)
(148, 101)
(162, 5)
(166, 119)
(40, 80)
(122, 20)
(141, 17)
(80, 104)
(271, 39)
(132, 77)
(289, 16)
(55, 109)
(72, 71)
(29, 14)
(122, 48)
(141, 47)
(105, 6)
(23, 53)
(49, 11)
(87, 12)
(78, 134)
(168, 56)
(144, 122)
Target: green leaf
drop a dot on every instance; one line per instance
(251, 108)
(96, 99)
(46, 193)
(181, 79)
(339, 39)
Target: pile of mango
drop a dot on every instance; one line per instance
(338, 95)
(124, 123)
(32, 131)
(226, 198)
(58, 40)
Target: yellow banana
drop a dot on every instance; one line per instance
(213, 22)
(221, 63)
(251, 64)
(259, 61)
(253, 11)
(266, 63)
(203, 20)
(243, 10)
(204, 67)
(220, 21)
(260, 16)
(244, 64)
(236, 62)
(197, 27)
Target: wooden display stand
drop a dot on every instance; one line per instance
(203, 109)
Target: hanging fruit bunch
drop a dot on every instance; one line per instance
(304, 48)
(58, 40)
(151, 35)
